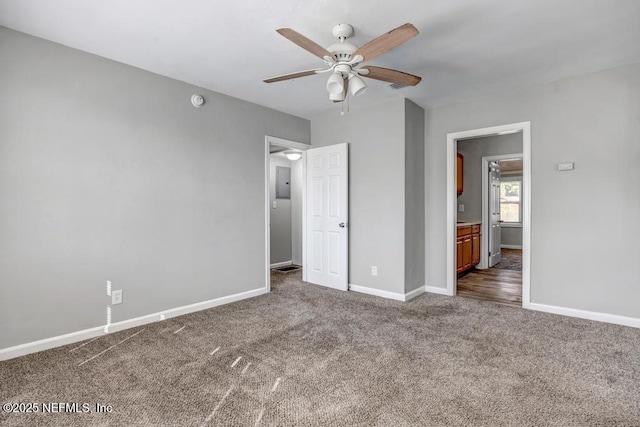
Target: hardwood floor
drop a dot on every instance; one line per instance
(494, 284)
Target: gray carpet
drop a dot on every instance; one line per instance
(312, 356)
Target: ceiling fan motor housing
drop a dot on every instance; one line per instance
(344, 49)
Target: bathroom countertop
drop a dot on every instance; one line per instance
(467, 223)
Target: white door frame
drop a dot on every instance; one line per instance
(272, 140)
(484, 248)
(452, 215)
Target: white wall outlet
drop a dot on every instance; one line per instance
(460, 207)
(374, 270)
(116, 297)
(567, 166)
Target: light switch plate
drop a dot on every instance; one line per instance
(567, 166)
(116, 297)
(460, 208)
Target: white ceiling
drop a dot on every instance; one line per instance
(465, 48)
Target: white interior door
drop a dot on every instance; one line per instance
(327, 216)
(494, 214)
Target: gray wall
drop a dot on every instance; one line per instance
(511, 236)
(414, 196)
(376, 189)
(473, 151)
(386, 191)
(280, 216)
(107, 172)
(584, 224)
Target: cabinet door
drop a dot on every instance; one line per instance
(459, 256)
(475, 248)
(466, 252)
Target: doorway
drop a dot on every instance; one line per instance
(454, 210)
(323, 183)
(285, 195)
(499, 200)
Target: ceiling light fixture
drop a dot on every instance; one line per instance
(335, 84)
(293, 155)
(357, 86)
(346, 61)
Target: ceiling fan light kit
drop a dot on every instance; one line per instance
(335, 83)
(357, 86)
(346, 60)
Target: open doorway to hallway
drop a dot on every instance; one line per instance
(489, 214)
(500, 279)
(285, 208)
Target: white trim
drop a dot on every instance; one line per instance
(377, 292)
(437, 290)
(272, 140)
(47, 343)
(452, 139)
(281, 264)
(414, 293)
(386, 294)
(511, 246)
(590, 315)
(287, 143)
(60, 340)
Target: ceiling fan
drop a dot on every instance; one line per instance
(345, 61)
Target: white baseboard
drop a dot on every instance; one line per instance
(281, 264)
(47, 343)
(414, 293)
(590, 315)
(510, 246)
(377, 292)
(387, 294)
(437, 290)
(60, 340)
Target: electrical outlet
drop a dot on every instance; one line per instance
(568, 166)
(374, 270)
(116, 297)
(460, 207)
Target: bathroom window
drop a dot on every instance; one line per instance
(511, 200)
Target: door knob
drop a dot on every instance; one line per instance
(342, 225)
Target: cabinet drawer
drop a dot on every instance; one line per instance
(464, 231)
(475, 228)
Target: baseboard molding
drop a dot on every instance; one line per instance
(414, 293)
(590, 315)
(281, 264)
(60, 340)
(387, 294)
(47, 343)
(510, 246)
(437, 290)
